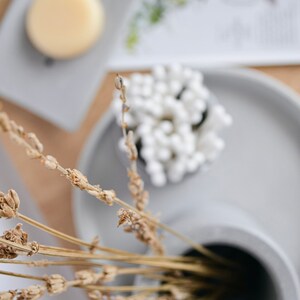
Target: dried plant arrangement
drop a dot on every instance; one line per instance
(204, 276)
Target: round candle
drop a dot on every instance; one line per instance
(63, 29)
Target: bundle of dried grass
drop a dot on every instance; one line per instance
(203, 277)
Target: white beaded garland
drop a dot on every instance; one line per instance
(166, 108)
(159, 179)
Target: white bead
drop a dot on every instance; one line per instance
(181, 115)
(184, 129)
(175, 87)
(148, 140)
(156, 99)
(195, 86)
(144, 129)
(196, 118)
(146, 91)
(179, 166)
(188, 95)
(154, 167)
(157, 111)
(175, 141)
(199, 157)
(220, 114)
(159, 72)
(211, 143)
(160, 137)
(148, 106)
(189, 138)
(218, 118)
(200, 105)
(148, 120)
(136, 79)
(187, 74)
(148, 153)
(164, 154)
(148, 80)
(166, 126)
(175, 71)
(219, 109)
(158, 179)
(135, 90)
(169, 101)
(136, 103)
(192, 165)
(161, 87)
(197, 76)
(189, 148)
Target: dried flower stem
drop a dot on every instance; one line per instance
(136, 184)
(76, 241)
(78, 283)
(46, 263)
(144, 230)
(33, 149)
(67, 237)
(202, 270)
(130, 288)
(39, 278)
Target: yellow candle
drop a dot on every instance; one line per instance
(63, 29)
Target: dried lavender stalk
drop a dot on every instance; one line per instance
(33, 147)
(144, 230)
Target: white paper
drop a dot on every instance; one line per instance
(220, 32)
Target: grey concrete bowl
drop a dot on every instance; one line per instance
(228, 229)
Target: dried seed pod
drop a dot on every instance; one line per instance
(56, 284)
(77, 178)
(33, 153)
(119, 84)
(144, 231)
(32, 293)
(94, 295)
(4, 122)
(109, 273)
(50, 162)
(35, 247)
(9, 204)
(16, 235)
(87, 277)
(9, 295)
(17, 129)
(35, 142)
(107, 196)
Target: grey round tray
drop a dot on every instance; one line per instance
(259, 170)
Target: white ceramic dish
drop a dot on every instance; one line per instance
(258, 172)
